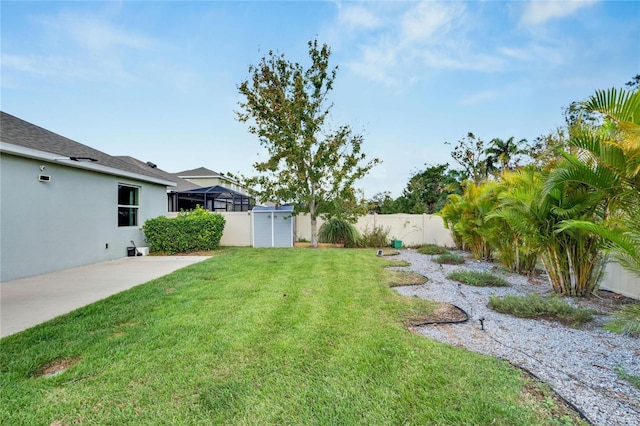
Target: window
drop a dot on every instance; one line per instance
(127, 205)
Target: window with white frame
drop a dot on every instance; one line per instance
(128, 205)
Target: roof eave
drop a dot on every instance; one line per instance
(66, 161)
(201, 176)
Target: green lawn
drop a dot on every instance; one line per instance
(258, 336)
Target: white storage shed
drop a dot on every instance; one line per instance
(273, 226)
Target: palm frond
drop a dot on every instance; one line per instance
(620, 105)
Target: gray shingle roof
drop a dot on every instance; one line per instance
(16, 131)
(199, 172)
(181, 184)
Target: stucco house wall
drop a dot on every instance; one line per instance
(71, 219)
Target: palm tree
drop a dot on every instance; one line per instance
(571, 257)
(505, 152)
(465, 215)
(607, 161)
(506, 234)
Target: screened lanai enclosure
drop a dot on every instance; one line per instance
(213, 198)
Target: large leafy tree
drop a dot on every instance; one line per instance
(384, 203)
(286, 106)
(428, 189)
(470, 153)
(546, 150)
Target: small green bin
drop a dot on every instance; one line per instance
(396, 244)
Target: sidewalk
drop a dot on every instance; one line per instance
(33, 300)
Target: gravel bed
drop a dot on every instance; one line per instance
(579, 364)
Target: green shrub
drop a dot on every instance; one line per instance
(377, 237)
(432, 249)
(339, 231)
(536, 306)
(449, 259)
(626, 320)
(478, 278)
(194, 230)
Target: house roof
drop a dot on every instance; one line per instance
(203, 173)
(286, 208)
(199, 172)
(217, 190)
(181, 184)
(37, 142)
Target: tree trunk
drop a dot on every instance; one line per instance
(312, 214)
(314, 232)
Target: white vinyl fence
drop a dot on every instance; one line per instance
(618, 280)
(412, 230)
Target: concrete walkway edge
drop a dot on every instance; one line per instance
(29, 301)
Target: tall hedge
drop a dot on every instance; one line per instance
(194, 230)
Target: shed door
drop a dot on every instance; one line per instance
(282, 232)
(262, 229)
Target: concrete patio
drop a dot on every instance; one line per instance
(29, 301)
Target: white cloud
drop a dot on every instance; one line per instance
(398, 44)
(356, 17)
(539, 12)
(517, 53)
(480, 97)
(549, 53)
(20, 63)
(83, 47)
(444, 58)
(376, 61)
(429, 20)
(94, 33)
(50, 66)
(395, 40)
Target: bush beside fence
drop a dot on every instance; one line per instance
(196, 230)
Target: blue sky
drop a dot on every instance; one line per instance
(158, 80)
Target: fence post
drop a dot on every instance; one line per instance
(424, 228)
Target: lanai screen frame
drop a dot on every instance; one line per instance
(210, 198)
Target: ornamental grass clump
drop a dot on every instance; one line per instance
(626, 320)
(432, 249)
(339, 231)
(478, 278)
(535, 306)
(449, 259)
